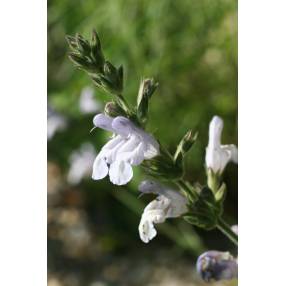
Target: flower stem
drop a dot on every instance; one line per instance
(226, 230)
(186, 188)
(123, 103)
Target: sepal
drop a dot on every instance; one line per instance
(184, 146)
(146, 90)
(112, 109)
(162, 167)
(205, 211)
(220, 194)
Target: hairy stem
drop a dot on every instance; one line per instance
(227, 231)
(123, 103)
(187, 189)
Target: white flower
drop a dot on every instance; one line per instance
(129, 146)
(87, 103)
(217, 155)
(81, 162)
(56, 122)
(168, 204)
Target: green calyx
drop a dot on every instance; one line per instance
(205, 211)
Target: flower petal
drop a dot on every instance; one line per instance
(217, 158)
(215, 131)
(232, 151)
(134, 157)
(153, 213)
(149, 186)
(100, 168)
(178, 205)
(123, 126)
(146, 229)
(174, 203)
(130, 144)
(113, 143)
(152, 148)
(110, 149)
(104, 122)
(120, 173)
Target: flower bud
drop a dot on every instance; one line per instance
(112, 109)
(185, 145)
(83, 45)
(72, 42)
(216, 265)
(147, 88)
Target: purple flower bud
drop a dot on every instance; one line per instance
(216, 265)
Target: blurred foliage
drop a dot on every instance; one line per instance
(190, 48)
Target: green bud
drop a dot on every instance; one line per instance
(184, 146)
(83, 45)
(112, 109)
(114, 77)
(95, 42)
(110, 72)
(78, 59)
(88, 56)
(71, 42)
(147, 88)
(96, 52)
(107, 84)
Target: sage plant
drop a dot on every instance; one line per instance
(132, 145)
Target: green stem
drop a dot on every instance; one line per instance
(123, 103)
(226, 230)
(190, 191)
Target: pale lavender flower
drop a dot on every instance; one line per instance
(168, 204)
(217, 155)
(81, 162)
(56, 122)
(87, 102)
(216, 265)
(129, 146)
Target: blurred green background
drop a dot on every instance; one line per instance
(190, 47)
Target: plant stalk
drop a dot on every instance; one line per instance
(190, 191)
(227, 231)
